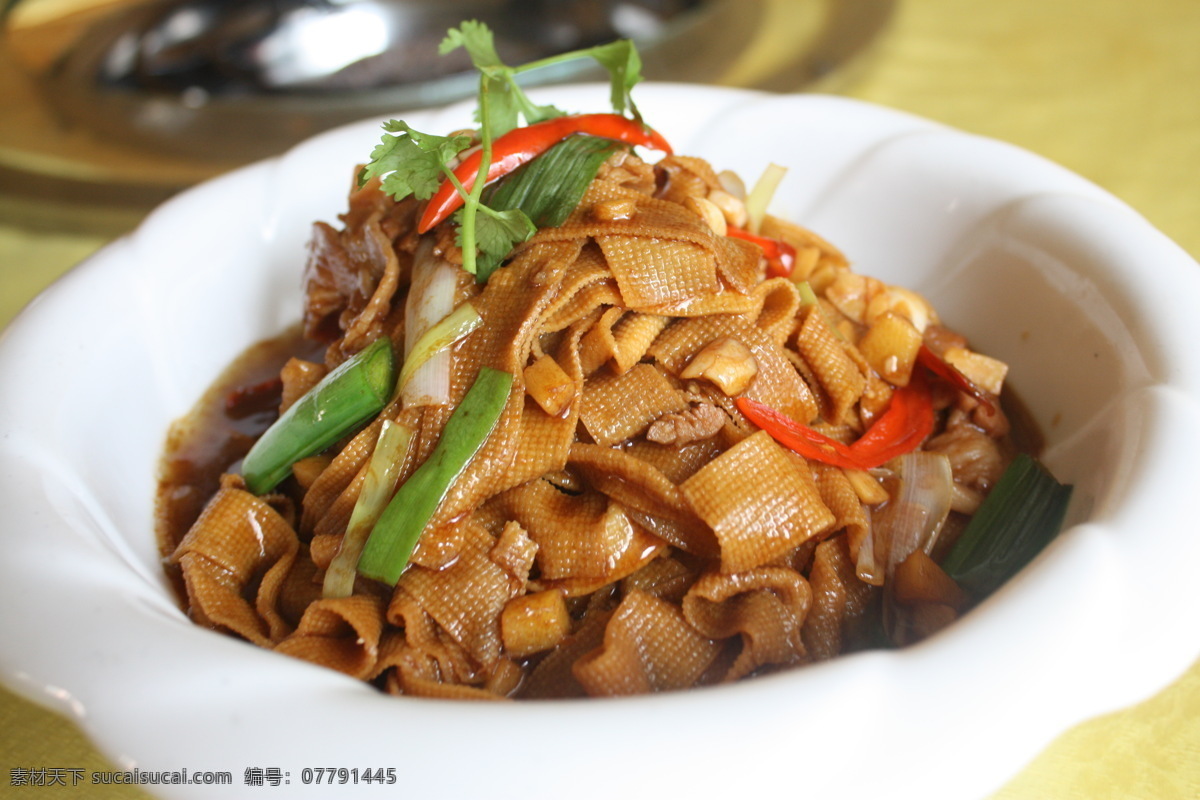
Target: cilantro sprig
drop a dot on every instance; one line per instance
(409, 162)
(508, 99)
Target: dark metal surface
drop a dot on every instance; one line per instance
(203, 85)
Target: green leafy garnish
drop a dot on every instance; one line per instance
(508, 99)
(498, 80)
(1020, 516)
(409, 162)
(344, 399)
(624, 66)
(496, 234)
(549, 188)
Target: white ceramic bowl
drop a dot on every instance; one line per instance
(1090, 305)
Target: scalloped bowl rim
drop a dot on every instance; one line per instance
(1062, 642)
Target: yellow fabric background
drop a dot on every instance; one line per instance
(1108, 88)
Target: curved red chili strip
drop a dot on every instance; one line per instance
(906, 423)
(521, 145)
(799, 438)
(781, 256)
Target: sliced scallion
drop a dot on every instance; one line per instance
(399, 527)
(807, 296)
(760, 196)
(450, 329)
(383, 475)
(549, 188)
(344, 399)
(1020, 516)
(430, 298)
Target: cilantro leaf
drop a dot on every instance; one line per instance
(502, 112)
(507, 101)
(624, 67)
(477, 39)
(529, 109)
(410, 162)
(496, 234)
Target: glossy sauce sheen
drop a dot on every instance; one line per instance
(218, 432)
(243, 402)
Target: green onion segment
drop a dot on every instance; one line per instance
(549, 188)
(760, 196)
(807, 296)
(399, 527)
(1020, 516)
(441, 335)
(344, 399)
(382, 478)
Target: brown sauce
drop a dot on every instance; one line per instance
(217, 433)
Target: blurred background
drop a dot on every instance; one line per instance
(108, 107)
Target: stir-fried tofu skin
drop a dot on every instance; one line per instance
(665, 440)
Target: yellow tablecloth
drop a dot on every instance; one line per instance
(1107, 88)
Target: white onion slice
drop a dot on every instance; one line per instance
(450, 329)
(867, 567)
(430, 298)
(913, 518)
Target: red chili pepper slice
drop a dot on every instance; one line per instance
(949, 373)
(799, 438)
(781, 256)
(906, 423)
(522, 145)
